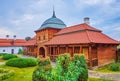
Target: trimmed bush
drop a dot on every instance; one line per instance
(4, 74)
(2, 54)
(8, 56)
(43, 70)
(67, 69)
(22, 62)
(114, 67)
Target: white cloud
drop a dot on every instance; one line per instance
(4, 32)
(72, 12)
(98, 2)
(23, 19)
(93, 2)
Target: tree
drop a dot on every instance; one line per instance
(20, 51)
(27, 38)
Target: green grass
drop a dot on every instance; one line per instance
(1, 60)
(118, 46)
(25, 74)
(96, 79)
(21, 74)
(106, 69)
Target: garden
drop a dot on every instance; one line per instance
(31, 69)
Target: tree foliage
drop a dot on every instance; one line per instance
(27, 38)
(20, 51)
(67, 69)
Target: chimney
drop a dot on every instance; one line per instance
(14, 36)
(7, 37)
(86, 20)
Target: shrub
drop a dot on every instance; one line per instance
(67, 69)
(43, 70)
(22, 62)
(8, 56)
(2, 54)
(114, 67)
(5, 74)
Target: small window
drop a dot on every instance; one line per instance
(39, 38)
(3, 50)
(12, 51)
(44, 37)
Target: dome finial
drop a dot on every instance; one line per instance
(54, 12)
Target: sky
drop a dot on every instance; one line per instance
(23, 17)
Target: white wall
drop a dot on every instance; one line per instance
(9, 49)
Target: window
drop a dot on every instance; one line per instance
(3, 50)
(39, 38)
(44, 37)
(12, 51)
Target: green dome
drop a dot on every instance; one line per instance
(53, 22)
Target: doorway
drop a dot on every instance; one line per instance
(42, 52)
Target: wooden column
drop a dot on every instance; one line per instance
(66, 49)
(53, 50)
(80, 49)
(46, 51)
(50, 51)
(90, 57)
(58, 50)
(73, 50)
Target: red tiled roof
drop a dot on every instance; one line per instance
(78, 27)
(80, 34)
(12, 42)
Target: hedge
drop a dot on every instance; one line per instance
(115, 67)
(4, 73)
(67, 69)
(8, 56)
(22, 62)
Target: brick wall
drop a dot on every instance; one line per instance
(106, 54)
(43, 36)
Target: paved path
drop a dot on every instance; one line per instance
(110, 76)
(2, 63)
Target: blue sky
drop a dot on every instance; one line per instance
(23, 17)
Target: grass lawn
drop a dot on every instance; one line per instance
(21, 74)
(1, 60)
(106, 69)
(25, 74)
(118, 46)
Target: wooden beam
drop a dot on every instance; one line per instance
(66, 49)
(50, 50)
(58, 50)
(81, 49)
(90, 56)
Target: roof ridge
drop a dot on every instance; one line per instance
(89, 36)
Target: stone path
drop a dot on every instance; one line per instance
(110, 76)
(2, 63)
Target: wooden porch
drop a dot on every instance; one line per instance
(89, 51)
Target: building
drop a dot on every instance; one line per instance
(31, 47)
(11, 46)
(54, 38)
